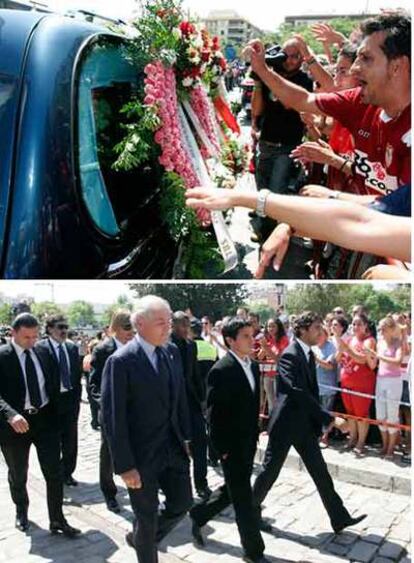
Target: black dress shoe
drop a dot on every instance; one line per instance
(350, 522)
(204, 492)
(113, 505)
(261, 559)
(71, 482)
(265, 526)
(196, 533)
(129, 538)
(66, 529)
(22, 522)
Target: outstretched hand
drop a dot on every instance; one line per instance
(254, 53)
(325, 33)
(215, 199)
(313, 151)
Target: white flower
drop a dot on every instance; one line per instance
(188, 82)
(197, 41)
(177, 33)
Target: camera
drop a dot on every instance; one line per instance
(274, 58)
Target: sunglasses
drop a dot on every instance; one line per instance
(62, 326)
(126, 327)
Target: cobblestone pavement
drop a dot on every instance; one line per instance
(301, 527)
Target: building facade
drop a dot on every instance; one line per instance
(230, 27)
(310, 19)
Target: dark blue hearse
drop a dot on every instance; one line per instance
(64, 212)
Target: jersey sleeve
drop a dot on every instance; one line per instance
(346, 106)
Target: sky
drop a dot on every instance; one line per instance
(103, 292)
(266, 14)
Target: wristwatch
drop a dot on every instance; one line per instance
(261, 202)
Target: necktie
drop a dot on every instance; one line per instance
(64, 369)
(312, 364)
(163, 372)
(32, 381)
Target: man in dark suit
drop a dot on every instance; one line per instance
(145, 418)
(65, 357)
(121, 332)
(28, 415)
(195, 395)
(297, 421)
(233, 409)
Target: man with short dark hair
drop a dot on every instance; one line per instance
(297, 421)
(65, 358)
(119, 333)
(28, 415)
(233, 407)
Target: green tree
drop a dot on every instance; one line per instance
(6, 314)
(285, 32)
(80, 314)
(43, 309)
(212, 299)
(322, 298)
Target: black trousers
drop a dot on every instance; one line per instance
(106, 470)
(199, 448)
(68, 421)
(150, 526)
(44, 436)
(308, 448)
(237, 490)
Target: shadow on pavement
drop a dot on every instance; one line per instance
(58, 548)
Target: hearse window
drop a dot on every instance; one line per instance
(7, 115)
(106, 82)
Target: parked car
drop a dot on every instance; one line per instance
(64, 211)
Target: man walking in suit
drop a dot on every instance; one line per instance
(233, 407)
(28, 415)
(65, 357)
(121, 332)
(297, 421)
(145, 418)
(195, 395)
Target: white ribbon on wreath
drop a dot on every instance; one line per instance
(226, 245)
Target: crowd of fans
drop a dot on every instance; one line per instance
(356, 114)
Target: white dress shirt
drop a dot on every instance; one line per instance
(306, 349)
(40, 377)
(118, 343)
(56, 345)
(246, 364)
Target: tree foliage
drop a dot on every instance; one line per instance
(212, 299)
(43, 309)
(6, 313)
(81, 314)
(322, 298)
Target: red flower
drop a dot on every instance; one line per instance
(187, 28)
(223, 64)
(195, 72)
(205, 56)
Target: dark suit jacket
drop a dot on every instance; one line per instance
(193, 382)
(74, 361)
(100, 354)
(233, 408)
(297, 407)
(137, 420)
(13, 390)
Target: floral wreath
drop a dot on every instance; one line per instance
(183, 68)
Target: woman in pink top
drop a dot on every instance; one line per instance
(389, 383)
